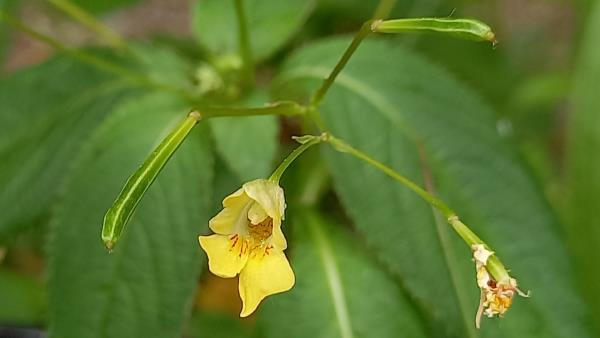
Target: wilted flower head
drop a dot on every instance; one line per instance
(248, 240)
(496, 295)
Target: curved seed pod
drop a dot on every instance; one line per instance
(119, 213)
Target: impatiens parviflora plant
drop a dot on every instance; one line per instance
(248, 238)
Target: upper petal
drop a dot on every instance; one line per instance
(234, 215)
(232, 198)
(227, 255)
(264, 275)
(269, 195)
(256, 213)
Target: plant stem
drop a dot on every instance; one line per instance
(434, 201)
(495, 267)
(244, 43)
(89, 21)
(365, 30)
(285, 108)
(306, 142)
(383, 9)
(92, 60)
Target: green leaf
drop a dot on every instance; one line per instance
(225, 182)
(47, 112)
(389, 103)
(583, 164)
(248, 145)
(23, 300)
(163, 65)
(144, 287)
(271, 24)
(339, 291)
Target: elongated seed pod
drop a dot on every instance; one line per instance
(462, 28)
(118, 215)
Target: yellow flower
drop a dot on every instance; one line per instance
(496, 296)
(248, 240)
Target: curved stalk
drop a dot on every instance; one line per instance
(306, 142)
(495, 267)
(93, 60)
(86, 19)
(364, 31)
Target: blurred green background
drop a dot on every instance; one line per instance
(512, 134)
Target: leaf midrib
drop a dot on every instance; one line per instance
(334, 280)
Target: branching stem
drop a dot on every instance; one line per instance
(93, 60)
(434, 201)
(384, 8)
(495, 267)
(283, 108)
(86, 19)
(364, 31)
(305, 143)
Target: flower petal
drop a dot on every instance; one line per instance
(257, 214)
(264, 275)
(269, 195)
(227, 255)
(232, 198)
(481, 254)
(234, 216)
(278, 239)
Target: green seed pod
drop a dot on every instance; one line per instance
(462, 28)
(119, 213)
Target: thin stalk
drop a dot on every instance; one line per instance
(434, 201)
(284, 108)
(305, 143)
(86, 19)
(244, 43)
(384, 8)
(364, 31)
(93, 60)
(494, 266)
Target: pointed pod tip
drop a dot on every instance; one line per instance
(195, 115)
(491, 37)
(109, 244)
